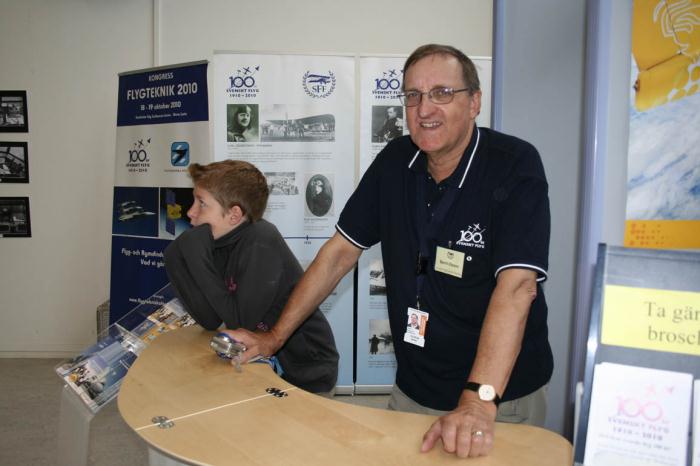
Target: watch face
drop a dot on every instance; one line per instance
(487, 392)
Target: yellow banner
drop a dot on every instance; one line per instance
(662, 234)
(647, 318)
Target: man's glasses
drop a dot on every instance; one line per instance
(439, 95)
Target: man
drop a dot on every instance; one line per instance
(462, 214)
(392, 126)
(234, 267)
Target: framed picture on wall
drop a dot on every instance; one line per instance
(14, 217)
(14, 162)
(13, 112)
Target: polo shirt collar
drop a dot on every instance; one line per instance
(419, 162)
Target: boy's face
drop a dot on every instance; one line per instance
(206, 209)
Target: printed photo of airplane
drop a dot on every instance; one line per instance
(129, 210)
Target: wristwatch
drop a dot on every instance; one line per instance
(486, 392)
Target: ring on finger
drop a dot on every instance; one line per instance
(478, 433)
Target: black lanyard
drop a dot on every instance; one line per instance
(427, 229)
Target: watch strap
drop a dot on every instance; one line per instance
(475, 386)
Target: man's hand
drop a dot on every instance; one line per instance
(257, 344)
(467, 431)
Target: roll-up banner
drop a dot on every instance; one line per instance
(293, 116)
(162, 127)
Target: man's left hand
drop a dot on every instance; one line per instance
(467, 431)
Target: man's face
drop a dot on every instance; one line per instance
(391, 112)
(244, 117)
(206, 209)
(440, 129)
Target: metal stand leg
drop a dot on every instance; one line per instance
(73, 430)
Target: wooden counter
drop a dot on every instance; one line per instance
(224, 417)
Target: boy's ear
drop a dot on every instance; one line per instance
(234, 215)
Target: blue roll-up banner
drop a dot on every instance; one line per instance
(162, 127)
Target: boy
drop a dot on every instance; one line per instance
(234, 267)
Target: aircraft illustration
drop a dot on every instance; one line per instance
(318, 78)
(129, 210)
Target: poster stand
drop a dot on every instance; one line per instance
(652, 271)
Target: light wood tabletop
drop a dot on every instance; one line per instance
(220, 416)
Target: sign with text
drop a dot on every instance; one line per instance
(652, 319)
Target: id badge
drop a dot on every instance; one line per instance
(416, 323)
(449, 261)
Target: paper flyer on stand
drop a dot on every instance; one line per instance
(96, 374)
(638, 416)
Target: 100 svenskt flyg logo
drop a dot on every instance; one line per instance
(318, 85)
(388, 85)
(472, 237)
(139, 161)
(242, 83)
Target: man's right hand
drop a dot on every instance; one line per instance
(257, 344)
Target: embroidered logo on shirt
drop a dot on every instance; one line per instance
(231, 285)
(472, 237)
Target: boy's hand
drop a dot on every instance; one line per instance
(257, 344)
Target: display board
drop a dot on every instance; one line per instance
(292, 116)
(162, 127)
(645, 317)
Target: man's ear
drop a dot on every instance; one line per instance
(235, 215)
(475, 105)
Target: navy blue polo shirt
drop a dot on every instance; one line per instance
(499, 219)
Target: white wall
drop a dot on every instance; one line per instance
(67, 54)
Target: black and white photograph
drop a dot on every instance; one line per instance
(290, 123)
(242, 123)
(377, 282)
(380, 341)
(14, 162)
(387, 122)
(14, 217)
(282, 183)
(13, 112)
(319, 196)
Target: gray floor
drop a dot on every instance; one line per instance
(30, 393)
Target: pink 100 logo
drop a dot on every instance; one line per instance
(634, 408)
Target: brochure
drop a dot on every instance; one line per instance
(638, 416)
(95, 375)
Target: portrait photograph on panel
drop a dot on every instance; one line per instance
(242, 123)
(387, 122)
(14, 162)
(14, 217)
(380, 341)
(319, 196)
(13, 112)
